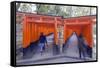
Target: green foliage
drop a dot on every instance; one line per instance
(42, 9)
(57, 10)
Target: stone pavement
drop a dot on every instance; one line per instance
(50, 55)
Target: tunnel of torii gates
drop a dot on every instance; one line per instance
(34, 24)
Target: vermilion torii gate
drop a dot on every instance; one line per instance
(34, 24)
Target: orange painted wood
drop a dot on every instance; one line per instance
(34, 24)
(85, 29)
(26, 34)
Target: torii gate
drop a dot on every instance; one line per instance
(34, 24)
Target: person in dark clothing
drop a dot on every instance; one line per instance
(82, 47)
(42, 42)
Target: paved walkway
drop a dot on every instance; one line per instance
(51, 55)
